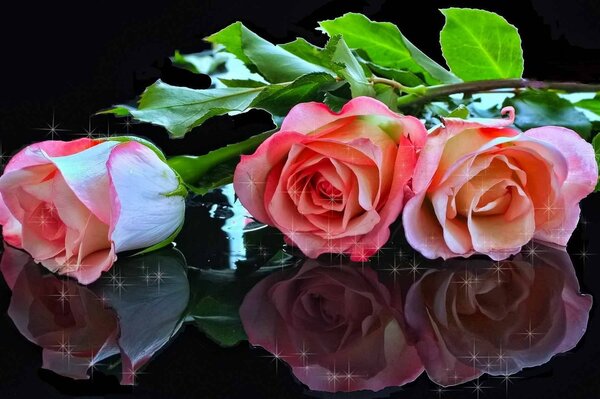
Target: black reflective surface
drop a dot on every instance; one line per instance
(460, 328)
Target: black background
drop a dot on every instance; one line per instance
(70, 59)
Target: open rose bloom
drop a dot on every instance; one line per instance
(74, 205)
(483, 187)
(333, 182)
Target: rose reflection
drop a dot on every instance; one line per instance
(479, 316)
(340, 328)
(133, 312)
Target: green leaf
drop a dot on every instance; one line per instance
(337, 57)
(461, 112)
(334, 102)
(596, 145)
(348, 67)
(403, 77)
(242, 83)
(591, 104)
(221, 163)
(206, 62)
(220, 66)
(480, 45)
(279, 99)
(385, 45)
(220, 321)
(217, 295)
(536, 108)
(273, 62)
(307, 51)
(179, 109)
(387, 95)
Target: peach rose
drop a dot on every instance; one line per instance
(483, 187)
(333, 182)
(479, 316)
(339, 328)
(74, 205)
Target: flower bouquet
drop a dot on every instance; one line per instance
(375, 149)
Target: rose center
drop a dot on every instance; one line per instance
(46, 221)
(327, 190)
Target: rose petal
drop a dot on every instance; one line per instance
(308, 117)
(37, 154)
(580, 181)
(423, 231)
(476, 133)
(143, 214)
(11, 227)
(251, 173)
(89, 183)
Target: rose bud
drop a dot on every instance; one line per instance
(479, 316)
(74, 205)
(339, 328)
(333, 182)
(483, 187)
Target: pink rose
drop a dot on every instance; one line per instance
(74, 205)
(482, 187)
(333, 182)
(479, 316)
(339, 328)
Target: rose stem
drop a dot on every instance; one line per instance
(427, 94)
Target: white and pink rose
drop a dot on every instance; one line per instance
(74, 205)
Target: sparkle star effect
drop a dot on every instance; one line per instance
(530, 334)
(468, 280)
(532, 250)
(276, 357)
(584, 254)
(89, 132)
(52, 128)
(440, 391)
(549, 208)
(93, 363)
(159, 276)
(304, 353)
(127, 124)
(117, 282)
(63, 296)
(108, 133)
(473, 356)
(498, 268)
(413, 268)
(394, 270)
(478, 388)
(506, 379)
(133, 374)
(3, 157)
(65, 348)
